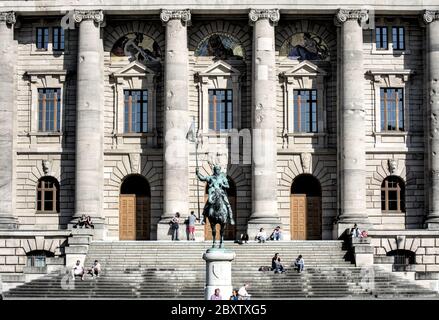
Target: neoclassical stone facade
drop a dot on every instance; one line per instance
(320, 118)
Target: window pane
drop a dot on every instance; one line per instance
(39, 261)
(220, 109)
(40, 109)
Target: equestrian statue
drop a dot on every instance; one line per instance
(217, 208)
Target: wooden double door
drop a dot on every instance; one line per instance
(306, 217)
(134, 217)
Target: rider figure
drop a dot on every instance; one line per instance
(216, 181)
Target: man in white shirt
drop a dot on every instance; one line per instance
(243, 294)
(261, 236)
(78, 270)
(356, 232)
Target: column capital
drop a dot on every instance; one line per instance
(82, 15)
(8, 17)
(430, 15)
(183, 15)
(343, 15)
(270, 14)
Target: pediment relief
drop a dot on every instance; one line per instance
(304, 69)
(134, 69)
(390, 78)
(220, 69)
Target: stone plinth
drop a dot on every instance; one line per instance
(363, 251)
(218, 272)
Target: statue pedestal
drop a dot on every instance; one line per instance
(218, 272)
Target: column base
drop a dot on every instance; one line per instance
(268, 223)
(432, 223)
(8, 222)
(99, 232)
(164, 231)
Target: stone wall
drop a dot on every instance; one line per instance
(406, 148)
(425, 245)
(33, 147)
(14, 247)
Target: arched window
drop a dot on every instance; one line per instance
(402, 259)
(393, 195)
(48, 195)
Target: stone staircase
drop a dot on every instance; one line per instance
(176, 270)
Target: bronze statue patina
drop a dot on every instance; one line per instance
(217, 208)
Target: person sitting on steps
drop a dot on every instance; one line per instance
(261, 236)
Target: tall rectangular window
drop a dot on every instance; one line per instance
(49, 109)
(381, 38)
(136, 111)
(220, 109)
(392, 109)
(58, 38)
(42, 38)
(305, 110)
(398, 36)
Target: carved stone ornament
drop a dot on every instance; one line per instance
(95, 15)
(8, 17)
(305, 159)
(270, 14)
(343, 15)
(135, 162)
(46, 164)
(393, 166)
(183, 15)
(429, 16)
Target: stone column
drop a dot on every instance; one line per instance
(264, 148)
(175, 148)
(352, 153)
(431, 18)
(89, 180)
(8, 58)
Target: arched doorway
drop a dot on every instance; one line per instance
(306, 208)
(230, 232)
(134, 208)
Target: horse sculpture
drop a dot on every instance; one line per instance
(217, 209)
(217, 214)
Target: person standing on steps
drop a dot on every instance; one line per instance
(191, 225)
(175, 221)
